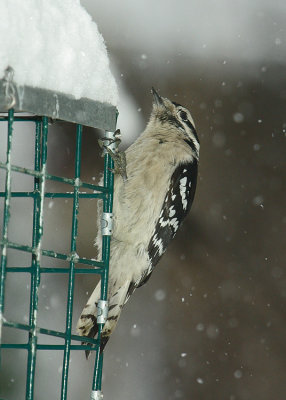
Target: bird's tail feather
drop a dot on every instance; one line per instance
(87, 323)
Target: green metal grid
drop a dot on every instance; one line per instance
(40, 174)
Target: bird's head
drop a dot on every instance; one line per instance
(173, 115)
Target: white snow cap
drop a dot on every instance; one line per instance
(54, 44)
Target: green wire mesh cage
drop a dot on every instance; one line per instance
(42, 105)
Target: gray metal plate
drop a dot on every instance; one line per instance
(58, 105)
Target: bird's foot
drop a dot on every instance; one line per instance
(118, 157)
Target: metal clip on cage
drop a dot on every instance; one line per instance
(41, 104)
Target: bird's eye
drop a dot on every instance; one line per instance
(184, 116)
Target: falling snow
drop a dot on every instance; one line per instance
(237, 374)
(200, 327)
(238, 117)
(160, 295)
(258, 200)
(135, 330)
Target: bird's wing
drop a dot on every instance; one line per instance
(176, 205)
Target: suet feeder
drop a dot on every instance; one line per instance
(25, 104)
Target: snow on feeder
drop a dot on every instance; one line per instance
(54, 65)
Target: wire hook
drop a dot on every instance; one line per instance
(10, 91)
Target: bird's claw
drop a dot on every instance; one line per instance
(118, 157)
(119, 160)
(104, 143)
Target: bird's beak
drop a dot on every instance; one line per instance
(156, 98)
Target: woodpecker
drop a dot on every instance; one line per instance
(150, 204)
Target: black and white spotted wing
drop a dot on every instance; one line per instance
(176, 206)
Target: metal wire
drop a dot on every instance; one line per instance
(35, 270)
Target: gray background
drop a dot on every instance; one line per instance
(210, 324)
